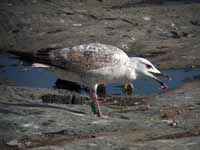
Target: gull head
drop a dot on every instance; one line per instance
(144, 68)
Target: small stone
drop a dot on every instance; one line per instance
(13, 142)
(77, 25)
(195, 22)
(92, 144)
(26, 125)
(34, 1)
(28, 143)
(173, 124)
(10, 4)
(62, 21)
(173, 25)
(133, 39)
(136, 103)
(147, 18)
(168, 121)
(174, 34)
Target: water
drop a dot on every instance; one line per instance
(162, 3)
(149, 86)
(23, 74)
(179, 2)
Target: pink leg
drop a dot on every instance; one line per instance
(93, 95)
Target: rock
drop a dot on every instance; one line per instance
(73, 23)
(32, 125)
(71, 98)
(174, 34)
(36, 118)
(71, 86)
(195, 22)
(77, 25)
(147, 18)
(13, 142)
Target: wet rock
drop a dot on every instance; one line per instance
(195, 22)
(37, 118)
(174, 34)
(111, 22)
(29, 123)
(147, 18)
(65, 99)
(71, 86)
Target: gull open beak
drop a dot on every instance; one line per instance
(156, 75)
(161, 75)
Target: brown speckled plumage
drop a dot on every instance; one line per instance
(81, 58)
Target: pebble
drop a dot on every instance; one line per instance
(147, 18)
(10, 4)
(77, 25)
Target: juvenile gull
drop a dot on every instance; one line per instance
(94, 64)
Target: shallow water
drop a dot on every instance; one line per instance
(180, 2)
(23, 74)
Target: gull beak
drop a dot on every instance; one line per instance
(163, 85)
(161, 75)
(156, 75)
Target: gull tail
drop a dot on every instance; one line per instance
(22, 54)
(39, 56)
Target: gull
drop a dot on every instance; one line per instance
(93, 64)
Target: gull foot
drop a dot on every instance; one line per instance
(128, 89)
(102, 116)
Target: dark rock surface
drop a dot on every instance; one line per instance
(43, 119)
(166, 121)
(160, 32)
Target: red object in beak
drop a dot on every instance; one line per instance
(164, 87)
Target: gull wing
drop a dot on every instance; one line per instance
(82, 58)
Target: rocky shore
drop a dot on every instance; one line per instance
(43, 119)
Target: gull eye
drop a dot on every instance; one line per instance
(148, 66)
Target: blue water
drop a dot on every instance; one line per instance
(169, 3)
(149, 86)
(24, 75)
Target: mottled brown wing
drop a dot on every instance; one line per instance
(81, 58)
